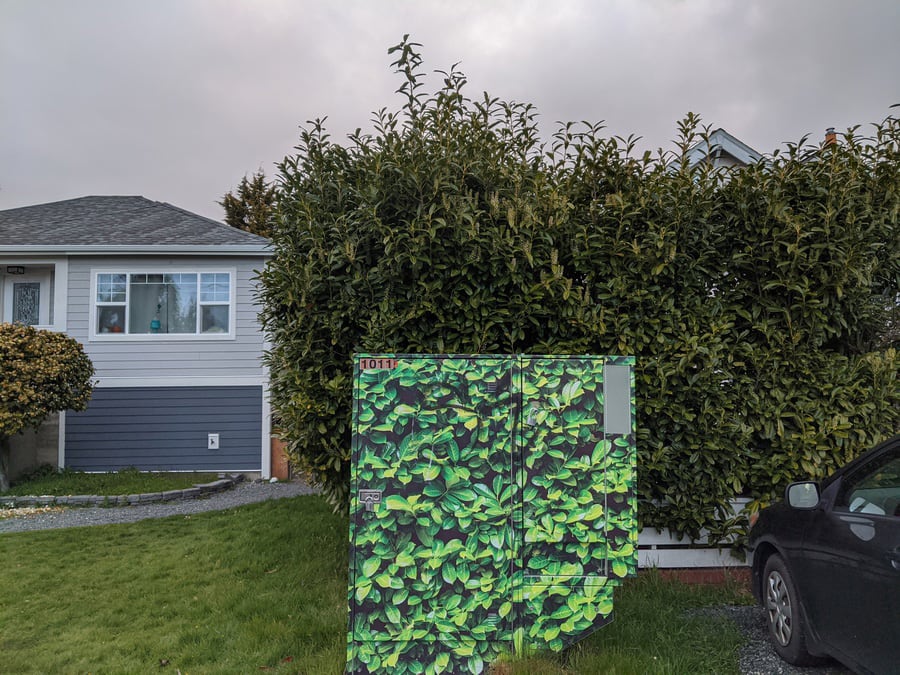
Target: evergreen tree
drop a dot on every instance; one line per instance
(252, 206)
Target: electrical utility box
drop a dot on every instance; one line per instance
(493, 506)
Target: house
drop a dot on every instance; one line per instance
(722, 150)
(164, 303)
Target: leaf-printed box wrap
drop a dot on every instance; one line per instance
(493, 506)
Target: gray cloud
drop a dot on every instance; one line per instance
(178, 99)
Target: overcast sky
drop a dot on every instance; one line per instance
(177, 100)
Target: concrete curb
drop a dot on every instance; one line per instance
(199, 490)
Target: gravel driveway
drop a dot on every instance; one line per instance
(756, 658)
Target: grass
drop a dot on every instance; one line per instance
(124, 482)
(226, 592)
(262, 588)
(654, 632)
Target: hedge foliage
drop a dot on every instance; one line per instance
(757, 302)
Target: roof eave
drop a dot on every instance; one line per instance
(118, 249)
(722, 141)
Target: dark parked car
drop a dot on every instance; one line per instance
(826, 565)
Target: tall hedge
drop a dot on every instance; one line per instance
(757, 302)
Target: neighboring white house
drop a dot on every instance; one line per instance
(722, 150)
(164, 302)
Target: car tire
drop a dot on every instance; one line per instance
(784, 618)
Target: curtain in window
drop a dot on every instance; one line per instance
(162, 303)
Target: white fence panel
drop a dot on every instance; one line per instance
(665, 551)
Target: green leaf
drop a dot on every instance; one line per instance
(448, 572)
(562, 612)
(392, 614)
(363, 588)
(396, 503)
(370, 566)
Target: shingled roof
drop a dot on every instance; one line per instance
(119, 225)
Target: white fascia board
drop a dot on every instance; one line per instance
(682, 558)
(722, 140)
(231, 250)
(202, 381)
(737, 149)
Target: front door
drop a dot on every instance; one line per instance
(432, 548)
(26, 298)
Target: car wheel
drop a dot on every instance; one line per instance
(782, 605)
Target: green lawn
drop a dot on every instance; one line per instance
(262, 588)
(124, 482)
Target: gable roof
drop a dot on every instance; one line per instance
(120, 225)
(721, 142)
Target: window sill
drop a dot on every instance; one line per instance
(162, 337)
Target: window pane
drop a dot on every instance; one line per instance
(111, 319)
(215, 287)
(169, 307)
(110, 288)
(146, 304)
(181, 304)
(214, 318)
(878, 492)
(26, 305)
(180, 278)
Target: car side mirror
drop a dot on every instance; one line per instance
(803, 495)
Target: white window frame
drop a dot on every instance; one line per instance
(163, 337)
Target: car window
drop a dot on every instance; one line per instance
(873, 489)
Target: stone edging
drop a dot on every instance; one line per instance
(197, 491)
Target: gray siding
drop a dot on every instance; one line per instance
(165, 429)
(149, 358)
